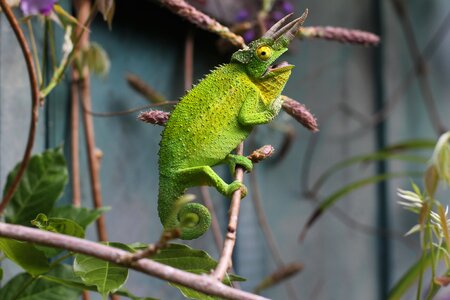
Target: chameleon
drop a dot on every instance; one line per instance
(213, 118)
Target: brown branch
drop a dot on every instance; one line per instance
(84, 8)
(283, 273)
(190, 13)
(202, 283)
(189, 60)
(144, 89)
(34, 99)
(230, 239)
(163, 242)
(74, 139)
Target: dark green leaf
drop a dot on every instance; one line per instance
(70, 280)
(58, 225)
(106, 276)
(25, 287)
(41, 186)
(25, 255)
(81, 215)
(193, 294)
(191, 260)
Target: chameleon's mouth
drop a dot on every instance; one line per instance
(278, 68)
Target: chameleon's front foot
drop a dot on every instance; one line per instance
(232, 160)
(236, 185)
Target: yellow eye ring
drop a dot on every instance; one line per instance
(264, 52)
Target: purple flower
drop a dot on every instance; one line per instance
(287, 7)
(277, 15)
(36, 7)
(249, 35)
(242, 15)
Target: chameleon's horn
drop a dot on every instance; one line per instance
(273, 30)
(289, 31)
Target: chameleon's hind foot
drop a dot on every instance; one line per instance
(236, 185)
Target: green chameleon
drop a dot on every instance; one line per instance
(213, 118)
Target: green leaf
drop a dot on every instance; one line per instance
(106, 276)
(193, 294)
(410, 277)
(41, 186)
(58, 225)
(96, 59)
(25, 287)
(70, 280)
(81, 215)
(360, 159)
(25, 255)
(441, 157)
(191, 260)
(339, 194)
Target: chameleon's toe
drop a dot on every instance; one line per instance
(246, 164)
(236, 185)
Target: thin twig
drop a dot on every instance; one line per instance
(202, 283)
(230, 239)
(144, 89)
(189, 60)
(34, 99)
(84, 11)
(35, 51)
(74, 139)
(124, 112)
(190, 13)
(421, 69)
(283, 273)
(163, 242)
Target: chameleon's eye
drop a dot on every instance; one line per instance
(264, 52)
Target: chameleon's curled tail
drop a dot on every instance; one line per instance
(193, 219)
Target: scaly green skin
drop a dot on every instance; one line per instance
(209, 122)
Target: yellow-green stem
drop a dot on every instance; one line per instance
(35, 52)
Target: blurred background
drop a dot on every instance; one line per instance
(365, 99)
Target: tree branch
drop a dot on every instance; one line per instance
(34, 99)
(202, 283)
(230, 239)
(84, 11)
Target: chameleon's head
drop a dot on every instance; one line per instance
(258, 57)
